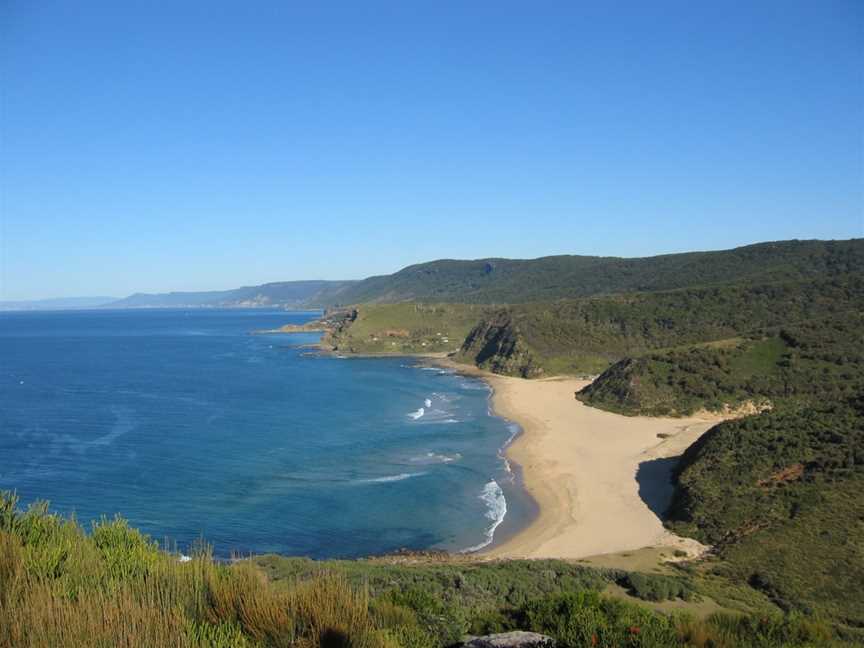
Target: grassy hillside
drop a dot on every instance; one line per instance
(587, 335)
(821, 359)
(780, 496)
(508, 281)
(114, 587)
(405, 328)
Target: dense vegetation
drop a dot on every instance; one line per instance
(114, 587)
(780, 495)
(586, 335)
(821, 359)
(509, 281)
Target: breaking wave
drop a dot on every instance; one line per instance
(496, 509)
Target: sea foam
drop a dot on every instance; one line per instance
(389, 478)
(434, 457)
(496, 509)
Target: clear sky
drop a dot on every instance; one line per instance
(154, 146)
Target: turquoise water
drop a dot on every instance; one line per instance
(189, 426)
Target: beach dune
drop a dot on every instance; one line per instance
(601, 480)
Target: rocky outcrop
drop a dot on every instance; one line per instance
(497, 344)
(336, 322)
(516, 639)
(332, 324)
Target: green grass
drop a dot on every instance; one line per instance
(760, 357)
(114, 587)
(408, 328)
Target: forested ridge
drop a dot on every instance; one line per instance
(512, 281)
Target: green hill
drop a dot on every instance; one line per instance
(508, 281)
(820, 359)
(779, 494)
(587, 335)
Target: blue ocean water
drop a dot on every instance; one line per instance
(190, 426)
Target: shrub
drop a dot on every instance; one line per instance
(127, 552)
(656, 588)
(588, 619)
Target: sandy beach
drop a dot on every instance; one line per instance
(601, 480)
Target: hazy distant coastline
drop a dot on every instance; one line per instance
(59, 303)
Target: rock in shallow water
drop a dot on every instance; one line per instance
(516, 639)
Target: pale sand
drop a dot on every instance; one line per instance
(580, 464)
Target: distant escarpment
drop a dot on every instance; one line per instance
(497, 344)
(282, 294)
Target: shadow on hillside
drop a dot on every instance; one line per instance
(655, 484)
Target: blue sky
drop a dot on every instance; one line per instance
(201, 145)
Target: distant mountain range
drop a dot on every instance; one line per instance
(513, 281)
(284, 294)
(281, 294)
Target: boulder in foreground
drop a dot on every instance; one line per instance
(516, 639)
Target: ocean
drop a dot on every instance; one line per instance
(192, 427)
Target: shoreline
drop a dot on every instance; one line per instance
(595, 483)
(601, 481)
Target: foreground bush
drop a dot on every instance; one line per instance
(115, 587)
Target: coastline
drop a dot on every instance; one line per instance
(594, 483)
(600, 481)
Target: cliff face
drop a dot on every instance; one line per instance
(497, 344)
(334, 323)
